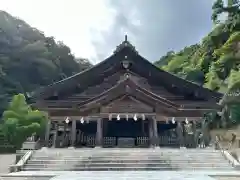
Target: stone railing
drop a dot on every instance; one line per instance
(18, 167)
(227, 155)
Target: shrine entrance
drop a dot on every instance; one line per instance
(126, 133)
(86, 133)
(167, 134)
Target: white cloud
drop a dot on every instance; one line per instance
(71, 21)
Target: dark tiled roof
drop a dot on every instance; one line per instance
(140, 64)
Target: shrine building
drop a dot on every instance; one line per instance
(124, 101)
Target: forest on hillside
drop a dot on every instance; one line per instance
(215, 61)
(29, 59)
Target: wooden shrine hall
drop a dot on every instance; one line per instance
(124, 101)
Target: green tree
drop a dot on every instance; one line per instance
(231, 8)
(29, 59)
(20, 121)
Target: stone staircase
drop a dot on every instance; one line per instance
(107, 159)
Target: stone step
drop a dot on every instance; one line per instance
(98, 165)
(128, 160)
(122, 157)
(126, 153)
(102, 169)
(125, 150)
(106, 168)
(115, 161)
(126, 163)
(129, 149)
(131, 153)
(98, 161)
(123, 165)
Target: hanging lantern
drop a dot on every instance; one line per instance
(143, 117)
(118, 117)
(67, 120)
(135, 117)
(173, 120)
(186, 121)
(82, 120)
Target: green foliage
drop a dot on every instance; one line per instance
(215, 61)
(29, 60)
(231, 45)
(234, 80)
(21, 122)
(231, 9)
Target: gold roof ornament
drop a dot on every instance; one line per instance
(124, 44)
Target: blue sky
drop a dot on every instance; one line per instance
(93, 28)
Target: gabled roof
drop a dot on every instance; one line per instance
(127, 86)
(139, 65)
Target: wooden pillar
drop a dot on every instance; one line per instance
(194, 128)
(142, 126)
(56, 140)
(99, 134)
(151, 133)
(55, 135)
(180, 134)
(73, 133)
(155, 131)
(47, 133)
(64, 135)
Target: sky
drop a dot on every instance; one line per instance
(93, 28)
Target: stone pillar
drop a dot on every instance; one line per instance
(180, 134)
(99, 134)
(155, 131)
(151, 133)
(47, 133)
(73, 133)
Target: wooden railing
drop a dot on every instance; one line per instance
(109, 141)
(143, 141)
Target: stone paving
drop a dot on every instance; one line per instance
(5, 161)
(226, 177)
(125, 175)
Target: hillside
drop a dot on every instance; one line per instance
(29, 59)
(215, 61)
